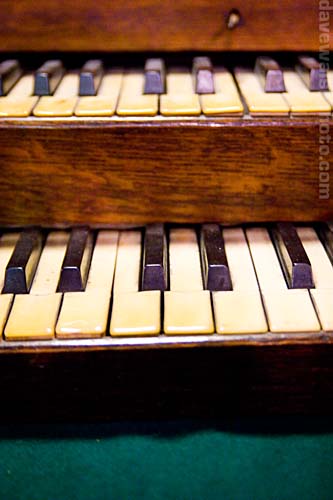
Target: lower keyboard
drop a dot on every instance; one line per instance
(167, 285)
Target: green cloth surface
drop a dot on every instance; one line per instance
(283, 459)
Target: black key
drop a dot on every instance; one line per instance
(326, 236)
(47, 77)
(154, 77)
(295, 263)
(10, 72)
(270, 74)
(22, 265)
(312, 74)
(155, 274)
(203, 75)
(90, 77)
(215, 269)
(75, 267)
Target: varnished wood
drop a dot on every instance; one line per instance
(100, 382)
(141, 172)
(87, 25)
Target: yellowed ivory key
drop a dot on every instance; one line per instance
(134, 313)
(105, 102)
(226, 100)
(258, 101)
(132, 101)
(187, 306)
(63, 102)
(287, 310)
(239, 310)
(300, 99)
(34, 315)
(180, 98)
(85, 314)
(20, 100)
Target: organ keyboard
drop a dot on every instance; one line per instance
(237, 281)
(181, 91)
(147, 153)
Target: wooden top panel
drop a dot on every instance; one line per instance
(87, 25)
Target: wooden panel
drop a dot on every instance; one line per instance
(103, 383)
(140, 172)
(85, 25)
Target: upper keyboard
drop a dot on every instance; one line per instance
(156, 89)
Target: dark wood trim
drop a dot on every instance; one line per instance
(166, 383)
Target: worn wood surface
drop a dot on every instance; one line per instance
(166, 383)
(86, 25)
(116, 172)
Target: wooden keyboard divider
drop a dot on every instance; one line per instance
(76, 171)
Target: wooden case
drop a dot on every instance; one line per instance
(146, 25)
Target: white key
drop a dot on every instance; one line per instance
(24, 87)
(132, 101)
(323, 302)
(105, 102)
(49, 267)
(241, 268)
(185, 266)
(187, 307)
(226, 100)
(136, 314)
(322, 271)
(240, 310)
(63, 101)
(188, 313)
(180, 98)
(85, 314)
(133, 312)
(266, 263)
(287, 310)
(20, 100)
(33, 316)
(103, 262)
(258, 101)
(128, 262)
(300, 99)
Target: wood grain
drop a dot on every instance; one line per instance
(86, 25)
(104, 384)
(116, 172)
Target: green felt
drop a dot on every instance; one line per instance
(286, 459)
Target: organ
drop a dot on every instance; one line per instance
(166, 245)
